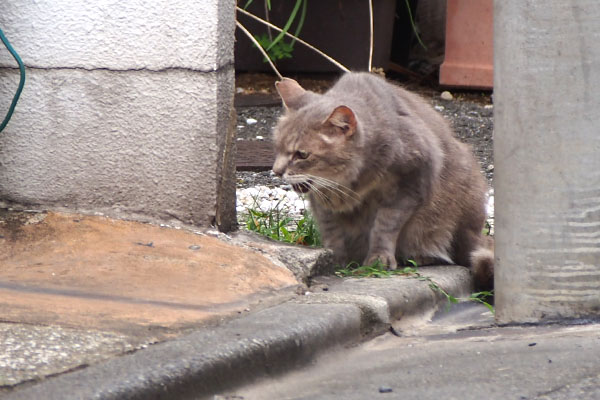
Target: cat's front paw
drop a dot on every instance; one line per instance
(389, 260)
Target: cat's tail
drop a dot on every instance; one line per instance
(482, 265)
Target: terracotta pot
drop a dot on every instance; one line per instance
(469, 45)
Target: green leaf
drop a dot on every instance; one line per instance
(287, 24)
(301, 23)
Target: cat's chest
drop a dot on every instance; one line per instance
(359, 217)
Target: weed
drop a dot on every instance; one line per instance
(487, 229)
(482, 297)
(276, 47)
(378, 270)
(375, 270)
(277, 223)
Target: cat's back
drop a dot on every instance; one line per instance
(372, 95)
(362, 86)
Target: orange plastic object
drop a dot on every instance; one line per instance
(469, 56)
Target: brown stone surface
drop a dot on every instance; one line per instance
(97, 272)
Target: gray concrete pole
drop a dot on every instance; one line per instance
(547, 159)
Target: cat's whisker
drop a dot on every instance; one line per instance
(342, 191)
(324, 198)
(339, 193)
(335, 184)
(317, 183)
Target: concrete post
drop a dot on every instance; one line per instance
(547, 159)
(126, 110)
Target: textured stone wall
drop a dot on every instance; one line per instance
(126, 108)
(547, 159)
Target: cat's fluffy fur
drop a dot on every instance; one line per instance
(385, 176)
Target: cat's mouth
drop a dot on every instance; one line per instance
(301, 187)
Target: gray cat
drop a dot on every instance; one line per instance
(385, 176)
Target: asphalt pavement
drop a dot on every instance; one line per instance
(456, 356)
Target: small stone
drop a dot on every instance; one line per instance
(490, 167)
(259, 137)
(194, 247)
(384, 389)
(446, 95)
(440, 108)
(251, 121)
(488, 106)
(239, 90)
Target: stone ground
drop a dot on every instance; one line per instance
(77, 289)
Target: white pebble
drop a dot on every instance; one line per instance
(299, 205)
(446, 95)
(251, 121)
(439, 108)
(490, 206)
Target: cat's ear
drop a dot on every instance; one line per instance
(291, 93)
(344, 119)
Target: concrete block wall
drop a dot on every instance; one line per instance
(126, 109)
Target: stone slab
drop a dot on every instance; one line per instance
(62, 271)
(304, 262)
(193, 366)
(95, 272)
(384, 301)
(30, 351)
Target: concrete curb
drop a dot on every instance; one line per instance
(264, 343)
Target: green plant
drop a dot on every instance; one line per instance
(274, 49)
(378, 270)
(375, 270)
(277, 48)
(482, 297)
(487, 229)
(276, 223)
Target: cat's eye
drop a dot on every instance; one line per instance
(301, 154)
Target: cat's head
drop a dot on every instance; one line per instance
(315, 141)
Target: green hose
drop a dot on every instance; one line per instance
(21, 82)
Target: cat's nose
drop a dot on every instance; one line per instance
(279, 166)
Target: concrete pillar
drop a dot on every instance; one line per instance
(126, 110)
(547, 159)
